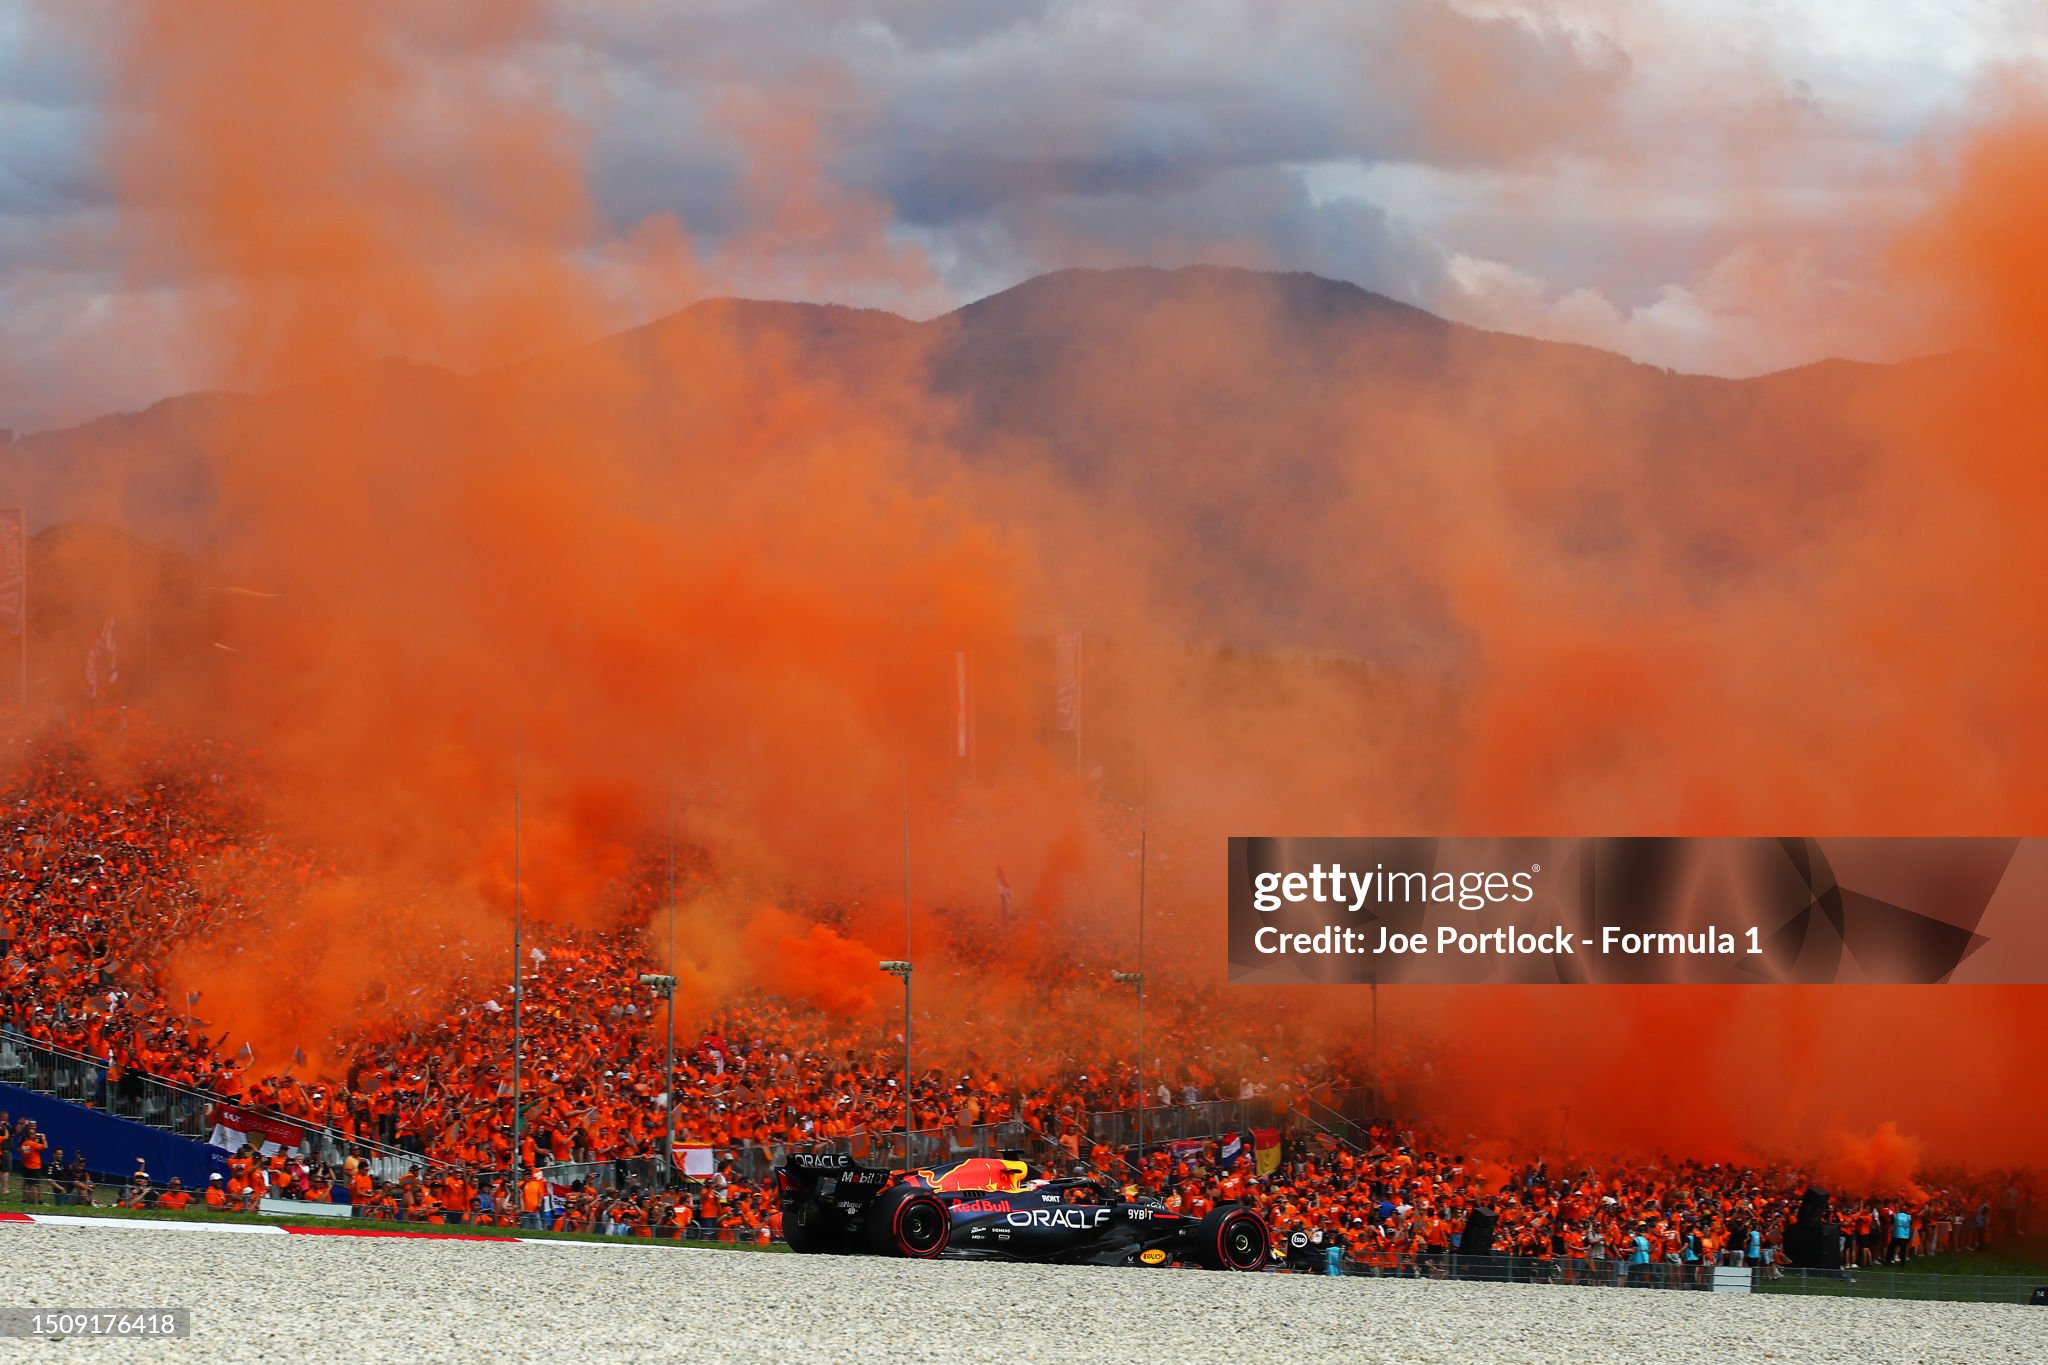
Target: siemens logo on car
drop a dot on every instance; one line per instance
(1059, 1218)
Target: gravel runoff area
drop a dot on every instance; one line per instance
(344, 1298)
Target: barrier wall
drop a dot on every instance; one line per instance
(110, 1144)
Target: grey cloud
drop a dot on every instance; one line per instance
(1014, 136)
(954, 110)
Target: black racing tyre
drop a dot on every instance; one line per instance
(909, 1221)
(812, 1229)
(1233, 1238)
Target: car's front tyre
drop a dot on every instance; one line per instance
(1233, 1238)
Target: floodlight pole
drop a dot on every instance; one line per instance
(1137, 980)
(899, 967)
(906, 957)
(664, 988)
(668, 1153)
(1376, 1081)
(518, 979)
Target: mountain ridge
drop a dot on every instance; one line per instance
(1280, 443)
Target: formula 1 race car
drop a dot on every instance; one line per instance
(997, 1209)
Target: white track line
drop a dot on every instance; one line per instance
(61, 1220)
(371, 1233)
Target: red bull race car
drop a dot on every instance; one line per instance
(998, 1209)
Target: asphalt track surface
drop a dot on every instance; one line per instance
(321, 1299)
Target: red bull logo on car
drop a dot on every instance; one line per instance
(979, 1173)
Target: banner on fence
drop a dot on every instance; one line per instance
(232, 1127)
(1266, 1150)
(695, 1163)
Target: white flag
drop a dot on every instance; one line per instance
(1067, 695)
(13, 568)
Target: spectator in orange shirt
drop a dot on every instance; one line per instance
(31, 1147)
(531, 1194)
(175, 1196)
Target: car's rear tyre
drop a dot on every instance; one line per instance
(1233, 1238)
(908, 1221)
(812, 1230)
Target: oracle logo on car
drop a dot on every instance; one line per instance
(1059, 1218)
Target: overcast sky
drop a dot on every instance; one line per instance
(1702, 185)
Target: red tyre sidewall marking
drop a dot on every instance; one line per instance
(1223, 1230)
(905, 1247)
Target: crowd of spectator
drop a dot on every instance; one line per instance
(104, 875)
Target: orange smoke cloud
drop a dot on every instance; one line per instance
(813, 964)
(1886, 683)
(1882, 1164)
(700, 562)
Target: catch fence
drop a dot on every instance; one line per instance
(185, 1110)
(1347, 1115)
(1180, 1122)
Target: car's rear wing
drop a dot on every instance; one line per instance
(831, 1178)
